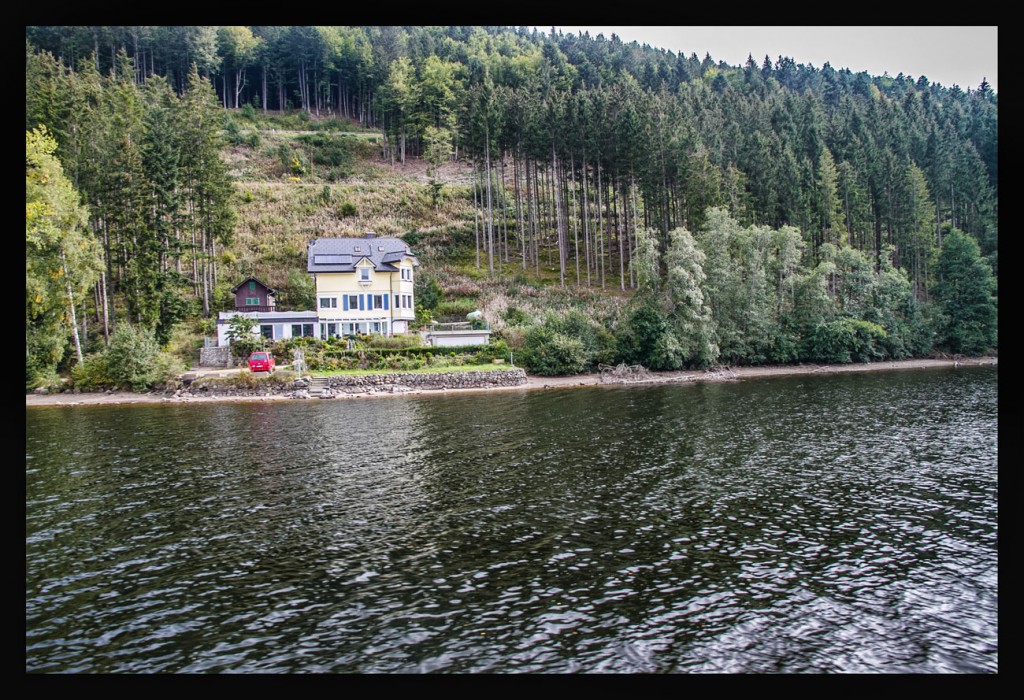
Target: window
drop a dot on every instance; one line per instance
(353, 301)
(378, 301)
(296, 330)
(252, 286)
(267, 332)
(364, 274)
(407, 274)
(398, 300)
(328, 302)
(376, 326)
(252, 301)
(299, 329)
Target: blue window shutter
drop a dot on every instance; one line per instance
(361, 302)
(344, 302)
(386, 301)
(369, 302)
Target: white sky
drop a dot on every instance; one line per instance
(947, 55)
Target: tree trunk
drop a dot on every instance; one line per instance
(504, 210)
(71, 305)
(618, 235)
(477, 208)
(586, 216)
(570, 194)
(106, 318)
(631, 240)
(556, 187)
(490, 211)
(537, 219)
(519, 208)
(599, 247)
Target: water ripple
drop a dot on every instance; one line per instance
(836, 524)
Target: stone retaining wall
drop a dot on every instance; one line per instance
(215, 357)
(429, 380)
(368, 383)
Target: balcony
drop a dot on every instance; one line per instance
(257, 309)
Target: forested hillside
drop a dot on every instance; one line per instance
(767, 212)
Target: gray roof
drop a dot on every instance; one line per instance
(342, 254)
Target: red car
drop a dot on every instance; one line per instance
(261, 362)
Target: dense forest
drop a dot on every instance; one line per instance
(767, 212)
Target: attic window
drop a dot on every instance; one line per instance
(380, 248)
(357, 249)
(252, 285)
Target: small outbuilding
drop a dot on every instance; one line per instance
(251, 295)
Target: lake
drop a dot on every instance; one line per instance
(804, 524)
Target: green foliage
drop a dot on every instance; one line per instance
(134, 357)
(233, 133)
(669, 325)
(241, 337)
(334, 153)
(840, 156)
(514, 316)
(93, 373)
(300, 292)
(409, 340)
(965, 292)
(61, 258)
(240, 327)
(644, 337)
(550, 353)
(846, 340)
(566, 345)
(454, 310)
(428, 292)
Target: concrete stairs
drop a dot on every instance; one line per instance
(317, 385)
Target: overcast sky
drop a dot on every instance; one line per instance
(947, 55)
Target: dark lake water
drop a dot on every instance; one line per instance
(843, 523)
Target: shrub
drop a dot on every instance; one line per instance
(347, 209)
(552, 353)
(410, 340)
(454, 310)
(93, 373)
(428, 292)
(514, 316)
(133, 356)
(846, 340)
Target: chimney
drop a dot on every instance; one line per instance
(369, 234)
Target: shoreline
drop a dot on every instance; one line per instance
(533, 382)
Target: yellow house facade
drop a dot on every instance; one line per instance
(363, 285)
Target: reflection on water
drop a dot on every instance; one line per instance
(810, 524)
